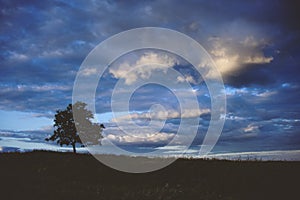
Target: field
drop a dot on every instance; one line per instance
(52, 175)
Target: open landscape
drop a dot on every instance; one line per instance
(54, 175)
(97, 97)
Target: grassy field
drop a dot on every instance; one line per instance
(50, 175)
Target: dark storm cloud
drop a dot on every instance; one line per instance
(45, 42)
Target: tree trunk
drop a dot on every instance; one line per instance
(74, 148)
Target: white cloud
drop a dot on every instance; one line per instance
(38, 88)
(88, 71)
(143, 67)
(267, 94)
(163, 115)
(187, 78)
(171, 148)
(140, 138)
(17, 56)
(231, 116)
(257, 92)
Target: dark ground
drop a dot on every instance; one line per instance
(50, 175)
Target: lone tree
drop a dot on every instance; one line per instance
(65, 131)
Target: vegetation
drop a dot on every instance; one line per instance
(69, 131)
(51, 175)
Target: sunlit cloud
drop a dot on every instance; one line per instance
(143, 67)
(230, 54)
(251, 128)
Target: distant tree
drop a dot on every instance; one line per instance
(65, 131)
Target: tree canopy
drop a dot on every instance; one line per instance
(69, 131)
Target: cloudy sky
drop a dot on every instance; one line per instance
(254, 44)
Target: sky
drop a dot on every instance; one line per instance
(254, 44)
